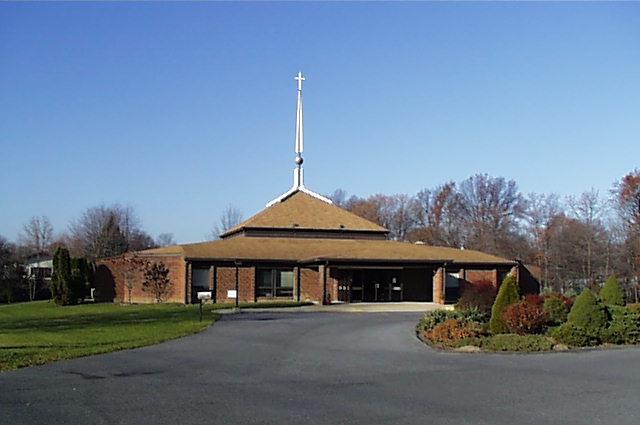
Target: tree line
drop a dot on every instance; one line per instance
(574, 241)
(99, 232)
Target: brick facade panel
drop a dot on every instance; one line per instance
(226, 278)
(113, 279)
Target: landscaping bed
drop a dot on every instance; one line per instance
(533, 323)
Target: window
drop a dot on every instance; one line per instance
(272, 283)
(199, 282)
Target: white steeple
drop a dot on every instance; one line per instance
(298, 172)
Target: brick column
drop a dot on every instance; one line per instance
(187, 290)
(212, 282)
(296, 283)
(438, 286)
(322, 280)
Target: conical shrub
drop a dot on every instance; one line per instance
(507, 295)
(587, 312)
(612, 292)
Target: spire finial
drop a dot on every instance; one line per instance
(298, 172)
(299, 144)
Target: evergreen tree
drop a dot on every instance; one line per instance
(61, 278)
(588, 313)
(612, 292)
(507, 294)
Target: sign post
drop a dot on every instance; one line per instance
(203, 297)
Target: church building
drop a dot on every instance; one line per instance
(302, 247)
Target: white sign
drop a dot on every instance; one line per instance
(205, 295)
(231, 293)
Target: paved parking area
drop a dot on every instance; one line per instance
(323, 368)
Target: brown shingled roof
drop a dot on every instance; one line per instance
(311, 249)
(305, 212)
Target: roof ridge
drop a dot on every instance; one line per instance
(296, 208)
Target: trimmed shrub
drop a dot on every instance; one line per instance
(556, 309)
(480, 296)
(433, 318)
(525, 318)
(612, 292)
(507, 295)
(575, 336)
(451, 332)
(624, 327)
(585, 324)
(588, 312)
(510, 342)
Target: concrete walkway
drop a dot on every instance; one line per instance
(387, 307)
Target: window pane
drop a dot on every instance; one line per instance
(284, 283)
(286, 279)
(200, 279)
(264, 287)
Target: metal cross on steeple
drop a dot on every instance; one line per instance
(298, 173)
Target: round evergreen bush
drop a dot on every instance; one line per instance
(575, 336)
(612, 292)
(624, 327)
(588, 312)
(556, 309)
(507, 295)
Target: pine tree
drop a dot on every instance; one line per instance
(507, 295)
(61, 278)
(588, 313)
(612, 292)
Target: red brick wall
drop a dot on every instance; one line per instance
(482, 276)
(227, 281)
(110, 280)
(438, 286)
(310, 285)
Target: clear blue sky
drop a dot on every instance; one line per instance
(181, 109)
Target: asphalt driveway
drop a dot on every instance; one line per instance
(323, 368)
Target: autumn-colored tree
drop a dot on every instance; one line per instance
(627, 201)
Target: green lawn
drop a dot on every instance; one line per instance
(41, 332)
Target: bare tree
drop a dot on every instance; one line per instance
(230, 217)
(492, 207)
(588, 209)
(542, 210)
(37, 235)
(439, 216)
(37, 238)
(339, 197)
(165, 239)
(106, 231)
